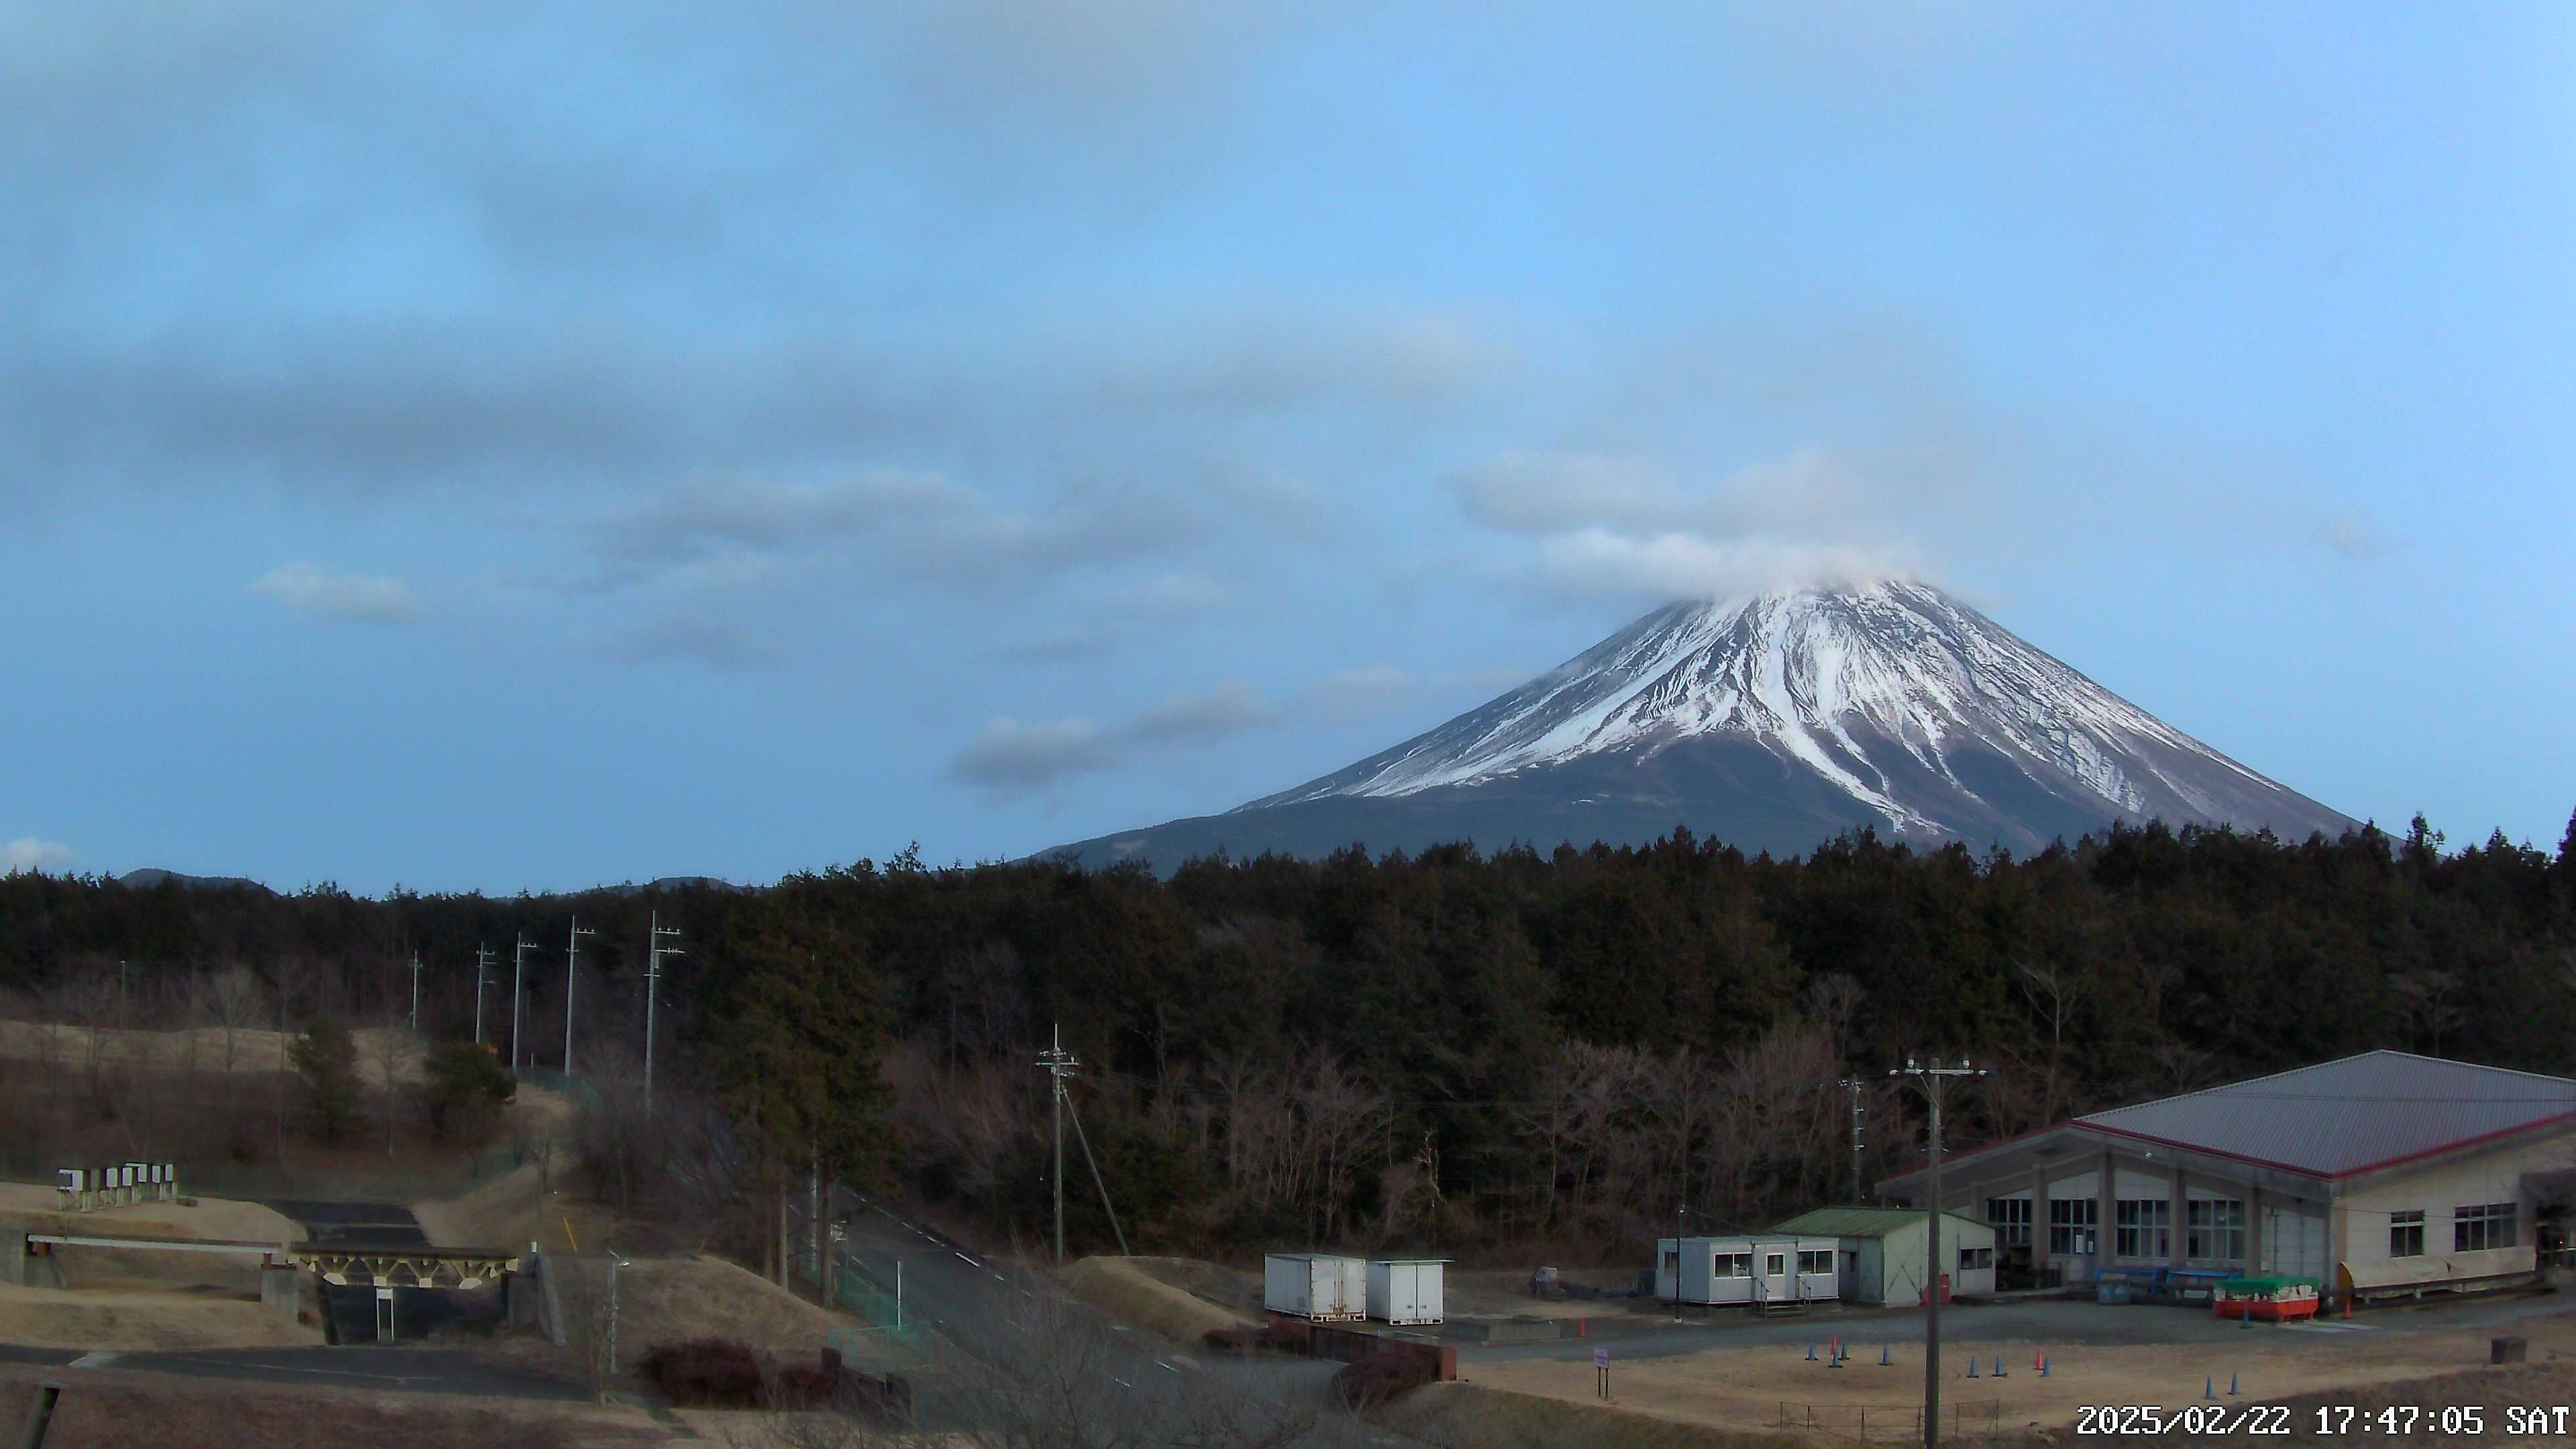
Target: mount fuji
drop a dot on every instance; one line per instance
(1774, 723)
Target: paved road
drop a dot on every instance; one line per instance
(973, 1300)
(2032, 1321)
(344, 1224)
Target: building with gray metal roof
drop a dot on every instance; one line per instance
(2376, 1174)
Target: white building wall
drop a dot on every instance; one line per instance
(2362, 1215)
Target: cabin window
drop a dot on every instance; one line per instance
(2011, 1219)
(1810, 1262)
(2216, 1230)
(1973, 1259)
(2406, 1234)
(2146, 1228)
(1730, 1265)
(1779, 1265)
(2474, 1229)
(2071, 1222)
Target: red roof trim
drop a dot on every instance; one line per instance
(2453, 1146)
(2207, 1151)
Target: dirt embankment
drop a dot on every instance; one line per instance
(142, 1298)
(1135, 1290)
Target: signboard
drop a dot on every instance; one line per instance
(1601, 1358)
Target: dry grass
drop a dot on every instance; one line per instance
(1743, 1389)
(251, 1049)
(1473, 1414)
(667, 1300)
(52, 1318)
(1124, 1289)
(510, 1211)
(111, 1410)
(210, 1218)
(1236, 1290)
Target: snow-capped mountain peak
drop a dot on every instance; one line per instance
(1770, 722)
(1831, 681)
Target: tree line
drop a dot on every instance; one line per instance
(1534, 1049)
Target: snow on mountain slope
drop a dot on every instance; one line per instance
(1832, 682)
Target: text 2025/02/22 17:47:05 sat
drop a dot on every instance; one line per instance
(2539, 1421)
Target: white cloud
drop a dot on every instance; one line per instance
(699, 641)
(2354, 534)
(27, 853)
(1014, 758)
(1222, 712)
(1599, 563)
(348, 598)
(1616, 526)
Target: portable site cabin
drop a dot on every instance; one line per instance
(1881, 1257)
(1755, 1270)
(1315, 1286)
(1406, 1290)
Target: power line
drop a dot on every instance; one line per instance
(482, 958)
(653, 954)
(572, 954)
(518, 992)
(1058, 1063)
(1932, 1079)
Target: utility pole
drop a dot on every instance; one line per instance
(482, 959)
(1932, 1079)
(572, 954)
(1678, 1211)
(518, 992)
(653, 954)
(415, 993)
(1059, 1063)
(1860, 1188)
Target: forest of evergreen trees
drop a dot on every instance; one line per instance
(1523, 1049)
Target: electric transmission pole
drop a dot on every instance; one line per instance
(482, 959)
(1860, 1188)
(415, 993)
(653, 954)
(572, 954)
(1059, 1064)
(1932, 1079)
(518, 992)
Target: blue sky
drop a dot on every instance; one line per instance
(501, 446)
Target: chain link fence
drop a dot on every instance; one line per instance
(1894, 1424)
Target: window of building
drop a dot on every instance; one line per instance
(2490, 1225)
(2011, 1219)
(2071, 1222)
(2146, 1228)
(1779, 1265)
(2215, 1230)
(1974, 1258)
(2406, 1234)
(1731, 1265)
(1810, 1262)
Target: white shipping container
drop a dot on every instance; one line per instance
(1406, 1290)
(1314, 1286)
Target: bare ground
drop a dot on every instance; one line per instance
(1747, 1390)
(108, 1409)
